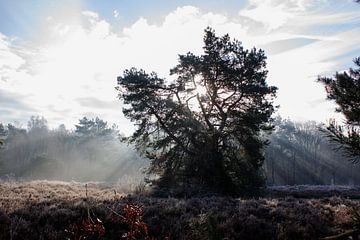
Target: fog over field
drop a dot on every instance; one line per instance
(299, 153)
(93, 152)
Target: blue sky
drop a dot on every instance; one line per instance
(19, 16)
(60, 59)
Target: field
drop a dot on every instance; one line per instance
(61, 210)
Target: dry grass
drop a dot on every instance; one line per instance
(16, 195)
(45, 210)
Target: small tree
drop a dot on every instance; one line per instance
(90, 128)
(92, 136)
(204, 128)
(2, 134)
(344, 89)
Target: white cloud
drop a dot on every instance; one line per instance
(72, 69)
(9, 60)
(295, 72)
(269, 15)
(297, 15)
(116, 14)
(91, 15)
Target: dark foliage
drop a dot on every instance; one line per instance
(198, 218)
(203, 129)
(344, 89)
(93, 128)
(86, 229)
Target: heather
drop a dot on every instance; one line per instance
(59, 210)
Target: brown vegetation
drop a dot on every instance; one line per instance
(57, 210)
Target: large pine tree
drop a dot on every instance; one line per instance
(204, 128)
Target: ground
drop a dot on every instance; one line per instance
(60, 210)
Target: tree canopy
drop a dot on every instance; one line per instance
(204, 127)
(344, 89)
(93, 127)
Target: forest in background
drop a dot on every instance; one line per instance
(90, 152)
(298, 153)
(302, 153)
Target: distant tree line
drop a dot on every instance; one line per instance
(90, 152)
(301, 153)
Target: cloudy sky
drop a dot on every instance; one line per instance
(60, 59)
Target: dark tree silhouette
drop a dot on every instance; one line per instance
(203, 128)
(37, 123)
(344, 89)
(2, 134)
(93, 128)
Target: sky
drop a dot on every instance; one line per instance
(60, 59)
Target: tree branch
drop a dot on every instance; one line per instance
(167, 130)
(204, 113)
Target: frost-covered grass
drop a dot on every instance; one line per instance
(16, 195)
(315, 191)
(45, 210)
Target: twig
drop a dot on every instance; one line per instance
(354, 234)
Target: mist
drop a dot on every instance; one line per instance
(91, 152)
(302, 153)
(298, 153)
